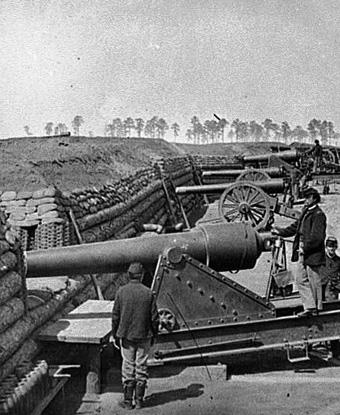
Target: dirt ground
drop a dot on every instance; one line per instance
(207, 390)
(276, 393)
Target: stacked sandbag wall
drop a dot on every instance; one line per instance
(27, 305)
(13, 298)
(39, 217)
(109, 212)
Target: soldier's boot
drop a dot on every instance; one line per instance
(128, 389)
(139, 394)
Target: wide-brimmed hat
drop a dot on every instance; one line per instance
(312, 192)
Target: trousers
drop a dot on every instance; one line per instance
(308, 281)
(135, 355)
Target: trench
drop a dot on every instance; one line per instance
(41, 219)
(48, 217)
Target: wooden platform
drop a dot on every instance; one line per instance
(89, 323)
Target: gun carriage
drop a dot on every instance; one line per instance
(204, 313)
(243, 201)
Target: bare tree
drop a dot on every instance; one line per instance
(139, 126)
(129, 124)
(27, 130)
(222, 123)
(162, 127)
(76, 123)
(175, 128)
(49, 128)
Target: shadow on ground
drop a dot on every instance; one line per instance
(194, 390)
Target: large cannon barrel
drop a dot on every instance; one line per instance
(223, 166)
(271, 171)
(270, 187)
(221, 246)
(289, 155)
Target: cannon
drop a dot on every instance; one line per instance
(270, 186)
(261, 160)
(226, 247)
(222, 166)
(264, 174)
(245, 202)
(204, 314)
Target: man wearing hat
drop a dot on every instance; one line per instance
(308, 251)
(330, 272)
(134, 325)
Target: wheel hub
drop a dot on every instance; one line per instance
(244, 208)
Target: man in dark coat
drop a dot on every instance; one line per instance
(330, 272)
(308, 251)
(317, 155)
(134, 325)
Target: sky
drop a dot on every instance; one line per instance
(102, 59)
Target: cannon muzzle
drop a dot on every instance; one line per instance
(221, 246)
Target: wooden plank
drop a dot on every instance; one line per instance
(49, 397)
(90, 323)
(93, 306)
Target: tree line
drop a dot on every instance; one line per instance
(208, 131)
(59, 128)
(154, 128)
(211, 131)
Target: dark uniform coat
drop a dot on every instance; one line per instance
(134, 314)
(311, 227)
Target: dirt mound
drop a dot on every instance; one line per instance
(73, 162)
(232, 149)
(78, 162)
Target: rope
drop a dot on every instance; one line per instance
(191, 334)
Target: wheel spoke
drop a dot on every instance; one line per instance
(258, 212)
(258, 199)
(245, 192)
(258, 206)
(255, 195)
(254, 220)
(248, 192)
(237, 195)
(230, 197)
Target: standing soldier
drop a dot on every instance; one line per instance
(330, 272)
(308, 251)
(317, 155)
(134, 326)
